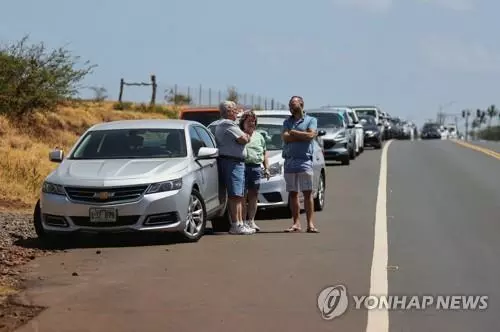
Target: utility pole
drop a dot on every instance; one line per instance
(466, 114)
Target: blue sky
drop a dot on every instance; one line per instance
(407, 56)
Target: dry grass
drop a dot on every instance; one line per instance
(25, 144)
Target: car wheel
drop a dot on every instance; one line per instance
(196, 218)
(47, 239)
(346, 160)
(319, 201)
(378, 146)
(352, 154)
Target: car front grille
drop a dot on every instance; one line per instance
(328, 144)
(105, 195)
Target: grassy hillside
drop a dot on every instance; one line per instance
(25, 144)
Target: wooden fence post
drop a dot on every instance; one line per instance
(120, 95)
(153, 93)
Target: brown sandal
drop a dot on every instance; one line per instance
(293, 229)
(312, 230)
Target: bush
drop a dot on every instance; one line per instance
(490, 134)
(34, 78)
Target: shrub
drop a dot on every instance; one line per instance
(34, 78)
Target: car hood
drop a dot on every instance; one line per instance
(275, 156)
(331, 133)
(117, 171)
(371, 127)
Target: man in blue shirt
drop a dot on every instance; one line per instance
(298, 132)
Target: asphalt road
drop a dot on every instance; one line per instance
(442, 218)
(492, 145)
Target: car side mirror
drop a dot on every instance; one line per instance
(321, 133)
(56, 156)
(207, 153)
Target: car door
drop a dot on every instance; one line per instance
(209, 169)
(317, 162)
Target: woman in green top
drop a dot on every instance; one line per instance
(256, 158)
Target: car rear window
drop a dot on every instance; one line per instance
(205, 118)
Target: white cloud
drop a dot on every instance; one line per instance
(457, 5)
(370, 5)
(458, 55)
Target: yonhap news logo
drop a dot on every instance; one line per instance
(333, 302)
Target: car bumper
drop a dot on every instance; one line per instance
(165, 211)
(272, 192)
(372, 140)
(335, 150)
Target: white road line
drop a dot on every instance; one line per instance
(378, 320)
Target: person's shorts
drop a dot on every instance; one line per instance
(253, 174)
(232, 176)
(299, 182)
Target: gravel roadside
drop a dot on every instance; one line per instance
(18, 245)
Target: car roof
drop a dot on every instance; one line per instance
(270, 121)
(365, 107)
(143, 124)
(325, 110)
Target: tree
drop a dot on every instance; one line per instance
(232, 94)
(100, 93)
(177, 98)
(34, 78)
(491, 112)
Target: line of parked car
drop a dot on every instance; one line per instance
(161, 175)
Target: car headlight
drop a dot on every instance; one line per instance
(369, 132)
(275, 169)
(164, 186)
(339, 136)
(55, 189)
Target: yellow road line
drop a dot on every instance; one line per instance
(488, 152)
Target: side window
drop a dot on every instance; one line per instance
(196, 141)
(205, 137)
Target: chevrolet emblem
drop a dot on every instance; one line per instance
(103, 196)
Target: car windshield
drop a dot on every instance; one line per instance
(205, 118)
(328, 120)
(131, 144)
(431, 126)
(272, 135)
(273, 116)
(367, 120)
(366, 112)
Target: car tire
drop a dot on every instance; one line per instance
(378, 146)
(47, 239)
(346, 160)
(352, 154)
(319, 200)
(196, 203)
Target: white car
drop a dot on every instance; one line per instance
(133, 175)
(373, 111)
(360, 132)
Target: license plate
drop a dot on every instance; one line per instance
(102, 215)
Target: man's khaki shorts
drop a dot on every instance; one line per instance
(299, 182)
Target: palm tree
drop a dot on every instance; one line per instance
(474, 125)
(491, 112)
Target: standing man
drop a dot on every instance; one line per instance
(231, 141)
(298, 132)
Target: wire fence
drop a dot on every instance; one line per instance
(207, 97)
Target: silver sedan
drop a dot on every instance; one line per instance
(134, 175)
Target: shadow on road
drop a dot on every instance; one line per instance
(106, 241)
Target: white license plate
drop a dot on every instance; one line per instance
(98, 215)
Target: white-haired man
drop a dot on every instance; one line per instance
(231, 141)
